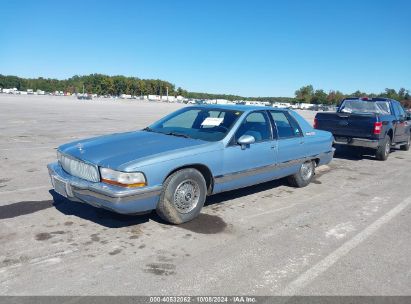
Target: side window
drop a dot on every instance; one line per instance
(286, 126)
(396, 109)
(255, 124)
(401, 111)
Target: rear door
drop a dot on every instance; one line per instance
(290, 141)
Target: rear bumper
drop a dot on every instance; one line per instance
(114, 198)
(358, 142)
(326, 157)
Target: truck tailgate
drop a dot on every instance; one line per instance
(346, 124)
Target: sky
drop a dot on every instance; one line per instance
(247, 48)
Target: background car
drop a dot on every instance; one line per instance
(376, 123)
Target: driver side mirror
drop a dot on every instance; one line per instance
(245, 141)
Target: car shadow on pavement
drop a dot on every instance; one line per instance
(355, 153)
(242, 192)
(110, 219)
(100, 216)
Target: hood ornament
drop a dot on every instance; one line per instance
(80, 147)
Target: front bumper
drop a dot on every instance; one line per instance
(114, 198)
(357, 142)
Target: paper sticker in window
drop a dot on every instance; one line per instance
(212, 121)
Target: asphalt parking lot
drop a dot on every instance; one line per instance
(348, 233)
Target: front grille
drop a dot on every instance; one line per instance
(79, 169)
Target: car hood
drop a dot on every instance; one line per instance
(112, 151)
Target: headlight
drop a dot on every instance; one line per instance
(124, 179)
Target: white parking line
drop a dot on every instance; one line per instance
(307, 277)
(24, 189)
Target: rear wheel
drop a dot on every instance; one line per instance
(406, 147)
(183, 196)
(384, 149)
(304, 176)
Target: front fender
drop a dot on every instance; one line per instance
(156, 173)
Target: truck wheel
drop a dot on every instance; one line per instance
(304, 176)
(183, 196)
(384, 149)
(406, 147)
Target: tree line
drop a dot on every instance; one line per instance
(116, 85)
(93, 84)
(309, 95)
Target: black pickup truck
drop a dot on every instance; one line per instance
(376, 123)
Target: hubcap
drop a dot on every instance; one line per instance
(306, 170)
(387, 148)
(186, 196)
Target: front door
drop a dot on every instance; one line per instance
(244, 166)
(401, 124)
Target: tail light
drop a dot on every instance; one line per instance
(315, 123)
(377, 128)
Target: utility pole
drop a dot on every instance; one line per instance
(167, 93)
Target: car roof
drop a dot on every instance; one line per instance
(369, 99)
(243, 108)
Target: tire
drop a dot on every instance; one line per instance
(304, 176)
(183, 196)
(406, 147)
(384, 149)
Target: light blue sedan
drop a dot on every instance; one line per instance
(174, 164)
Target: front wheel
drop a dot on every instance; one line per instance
(304, 176)
(384, 149)
(406, 147)
(183, 196)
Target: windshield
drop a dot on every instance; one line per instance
(198, 123)
(365, 106)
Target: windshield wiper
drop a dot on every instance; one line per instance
(177, 134)
(148, 129)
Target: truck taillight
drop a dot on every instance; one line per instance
(377, 128)
(315, 125)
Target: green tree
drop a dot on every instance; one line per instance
(390, 93)
(335, 97)
(319, 97)
(305, 94)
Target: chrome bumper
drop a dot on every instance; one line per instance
(325, 157)
(114, 198)
(359, 142)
